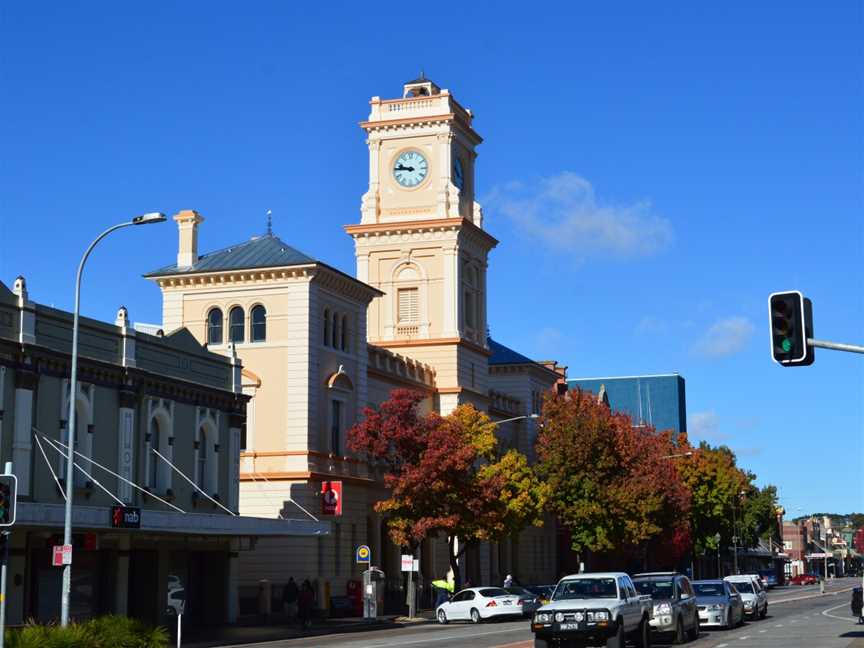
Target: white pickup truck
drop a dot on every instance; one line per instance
(601, 609)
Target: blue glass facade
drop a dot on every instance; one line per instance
(649, 400)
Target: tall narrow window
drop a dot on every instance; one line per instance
(236, 324)
(335, 341)
(259, 324)
(469, 308)
(407, 310)
(326, 327)
(214, 326)
(344, 332)
(335, 426)
(202, 459)
(155, 433)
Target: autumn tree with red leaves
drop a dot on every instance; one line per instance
(446, 475)
(612, 485)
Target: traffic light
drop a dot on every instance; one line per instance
(791, 324)
(8, 498)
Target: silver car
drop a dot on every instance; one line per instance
(674, 604)
(752, 593)
(719, 604)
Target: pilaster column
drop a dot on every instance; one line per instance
(2, 404)
(235, 423)
(121, 577)
(232, 604)
(22, 439)
(450, 287)
(126, 443)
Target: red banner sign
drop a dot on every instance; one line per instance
(331, 497)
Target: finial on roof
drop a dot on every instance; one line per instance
(269, 222)
(422, 74)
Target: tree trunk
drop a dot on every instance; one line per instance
(454, 561)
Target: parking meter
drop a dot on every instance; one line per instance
(373, 578)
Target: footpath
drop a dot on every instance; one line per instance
(239, 634)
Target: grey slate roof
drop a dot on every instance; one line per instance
(502, 355)
(260, 252)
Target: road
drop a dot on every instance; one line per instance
(797, 618)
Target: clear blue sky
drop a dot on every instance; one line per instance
(652, 170)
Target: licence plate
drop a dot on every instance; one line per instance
(569, 626)
(508, 602)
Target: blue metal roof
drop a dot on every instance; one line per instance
(502, 355)
(260, 252)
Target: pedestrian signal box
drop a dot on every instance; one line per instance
(8, 499)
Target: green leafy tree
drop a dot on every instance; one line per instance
(759, 516)
(446, 475)
(611, 485)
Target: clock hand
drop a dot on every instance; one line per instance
(403, 168)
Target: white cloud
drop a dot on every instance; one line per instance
(705, 425)
(726, 337)
(563, 213)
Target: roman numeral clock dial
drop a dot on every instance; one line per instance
(410, 168)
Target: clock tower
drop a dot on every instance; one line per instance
(421, 239)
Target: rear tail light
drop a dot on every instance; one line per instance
(491, 604)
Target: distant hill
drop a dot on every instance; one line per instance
(838, 520)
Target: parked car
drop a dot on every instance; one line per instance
(476, 604)
(674, 601)
(804, 579)
(543, 592)
(719, 604)
(602, 608)
(752, 593)
(527, 599)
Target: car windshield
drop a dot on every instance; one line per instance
(709, 589)
(585, 588)
(492, 592)
(656, 589)
(517, 590)
(744, 588)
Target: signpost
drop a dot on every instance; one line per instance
(62, 555)
(409, 564)
(364, 554)
(8, 506)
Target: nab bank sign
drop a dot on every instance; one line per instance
(125, 517)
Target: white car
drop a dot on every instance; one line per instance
(478, 603)
(752, 593)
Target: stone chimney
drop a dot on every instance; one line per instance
(187, 250)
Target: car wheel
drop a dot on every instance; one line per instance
(541, 643)
(679, 632)
(475, 616)
(442, 617)
(643, 639)
(616, 641)
(693, 633)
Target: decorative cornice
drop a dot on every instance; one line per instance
(304, 476)
(367, 230)
(424, 342)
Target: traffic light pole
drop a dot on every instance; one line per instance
(835, 346)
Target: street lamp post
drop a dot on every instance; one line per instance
(517, 418)
(146, 219)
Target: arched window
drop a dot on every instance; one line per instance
(152, 458)
(236, 325)
(326, 327)
(335, 340)
(214, 326)
(344, 332)
(202, 459)
(259, 324)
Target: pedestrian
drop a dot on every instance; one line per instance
(289, 599)
(508, 582)
(858, 603)
(305, 601)
(443, 588)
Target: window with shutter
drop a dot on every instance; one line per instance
(408, 306)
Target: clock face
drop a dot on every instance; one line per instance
(410, 168)
(458, 174)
